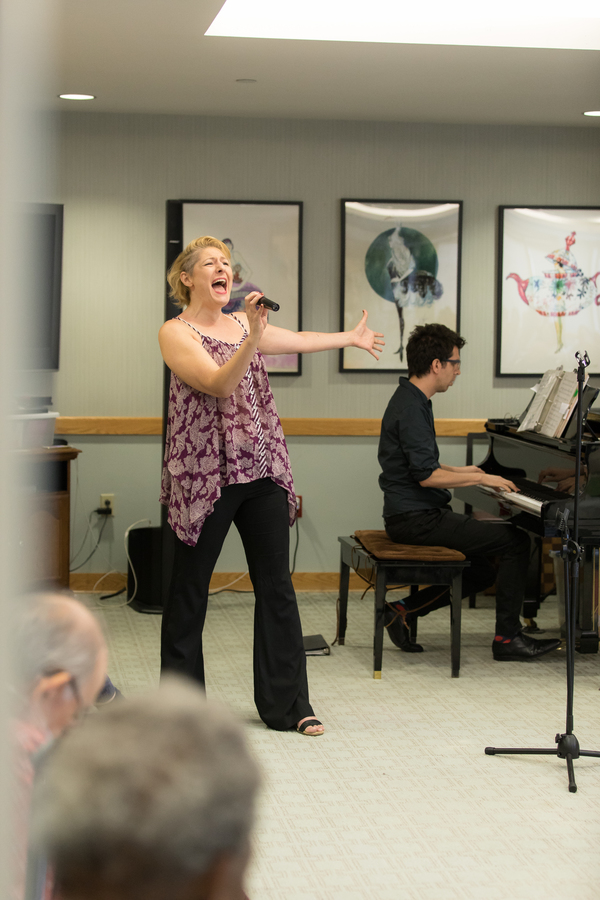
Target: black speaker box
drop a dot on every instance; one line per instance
(146, 553)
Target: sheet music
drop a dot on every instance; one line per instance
(564, 394)
(554, 402)
(571, 407)
(543, 390)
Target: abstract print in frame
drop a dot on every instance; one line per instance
(548, 288)
(265, 240)
(401, 263)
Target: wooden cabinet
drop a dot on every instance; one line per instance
(45, 511)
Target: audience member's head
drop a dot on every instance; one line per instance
(150, 800)
(427, 343)
(59, 660)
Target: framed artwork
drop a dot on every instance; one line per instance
(265, 240)
(548, 289)
(400, 263)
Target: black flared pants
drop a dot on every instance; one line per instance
(259, 511)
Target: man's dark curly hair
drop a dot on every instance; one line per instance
(429, 342)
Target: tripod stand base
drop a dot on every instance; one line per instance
(567, 748)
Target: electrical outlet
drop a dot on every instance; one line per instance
(298, 506)
(107, 501)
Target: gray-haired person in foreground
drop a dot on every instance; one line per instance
(152, 800)
(58, 657)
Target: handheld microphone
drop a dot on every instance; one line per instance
(268, 304)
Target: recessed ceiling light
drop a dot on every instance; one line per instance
(513, 23)
(592, 112)
(77, 96)
(246, 80)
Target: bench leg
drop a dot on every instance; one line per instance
(455, 615)
(380, 593)
(343, 601)
(414, 589)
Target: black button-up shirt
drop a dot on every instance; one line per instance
(408, 453)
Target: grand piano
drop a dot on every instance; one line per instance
(520, 457)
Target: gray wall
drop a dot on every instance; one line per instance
(117, 171)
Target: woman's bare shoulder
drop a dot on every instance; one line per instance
(171, 325)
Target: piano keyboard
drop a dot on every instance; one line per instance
(530, 497)
(539, 491)
(522, 501)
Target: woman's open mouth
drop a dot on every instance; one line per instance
(220, 286)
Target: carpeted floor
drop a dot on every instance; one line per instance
(397, 801)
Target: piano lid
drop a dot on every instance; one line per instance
(563, 445)
(591, 429)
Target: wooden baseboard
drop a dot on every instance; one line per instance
(90, 581)
(303, 581)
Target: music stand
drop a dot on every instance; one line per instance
(567, 744)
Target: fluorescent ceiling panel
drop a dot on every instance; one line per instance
(528, 23)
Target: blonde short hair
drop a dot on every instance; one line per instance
(185, 262)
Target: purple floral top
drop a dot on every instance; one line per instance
(217, 441)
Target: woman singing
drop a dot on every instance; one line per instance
(226, 461)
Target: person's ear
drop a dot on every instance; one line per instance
(51, 684)
(186, 280)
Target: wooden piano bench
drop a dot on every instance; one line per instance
(383, 563)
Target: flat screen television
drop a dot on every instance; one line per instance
(41, 325)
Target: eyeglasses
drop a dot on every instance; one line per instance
(455, 362)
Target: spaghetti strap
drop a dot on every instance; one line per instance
(241, 324)
(179, 319)
(210, 337)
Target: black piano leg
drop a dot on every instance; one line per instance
(533, 587)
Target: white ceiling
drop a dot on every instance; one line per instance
(151, 56)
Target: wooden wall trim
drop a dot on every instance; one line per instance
(152, 425)
(303, 581)
(458, 427)
(109, 425)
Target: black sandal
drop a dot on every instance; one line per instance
(309, 723)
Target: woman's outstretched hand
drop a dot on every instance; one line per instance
(366, 339)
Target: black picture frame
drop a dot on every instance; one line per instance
(386, 257)
(547, 294)
(40, 311)
(271, 234)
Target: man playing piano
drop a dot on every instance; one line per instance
(417, 501)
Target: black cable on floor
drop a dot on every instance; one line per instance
(116, 594)
(87, 559)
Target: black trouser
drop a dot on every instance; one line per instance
(260, 513)
(480, 541)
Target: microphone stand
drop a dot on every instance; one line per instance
(567, 745)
